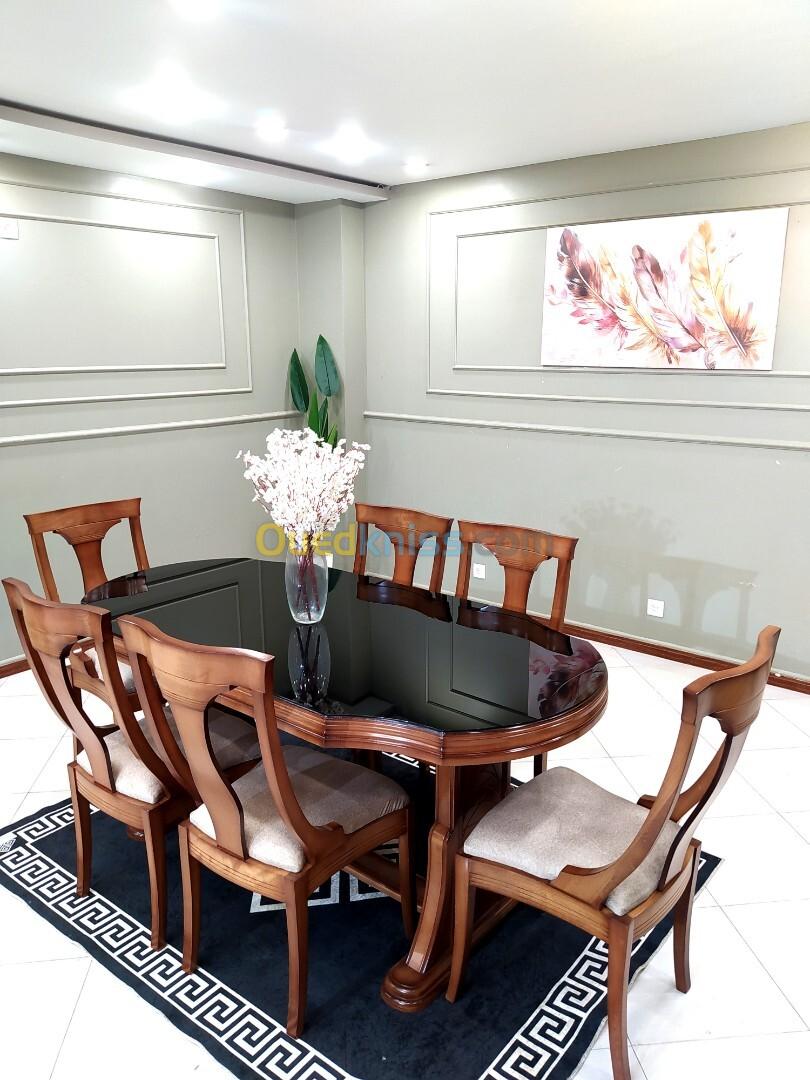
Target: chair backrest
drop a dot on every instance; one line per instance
(733, 697)
(190, 678)
(84, 528)
(519, 551)
(48, 631)
(407, 530)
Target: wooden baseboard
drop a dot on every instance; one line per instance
(605, 637)
(13, 667)
(681, 656)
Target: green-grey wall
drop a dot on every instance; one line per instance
(676, 489)
(195, 503)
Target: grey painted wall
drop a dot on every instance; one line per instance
(53, 449)
(688, 487)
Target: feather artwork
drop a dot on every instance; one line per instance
(591, 303)
(730, 324)
(643, 333)
(665, 292)
(675, 319)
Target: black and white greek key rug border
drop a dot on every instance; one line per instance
(233, 1029)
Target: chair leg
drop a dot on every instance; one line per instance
(462, 925)
(540, 764)
(190, 873)
(84, 834)
(407, 884)
(154, 836)
(683, 926)
(298, 947)
(620, 948)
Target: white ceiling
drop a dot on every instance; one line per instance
(466, 85)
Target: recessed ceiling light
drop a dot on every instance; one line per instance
(415, 166)
(171, 96)
(350, 144)
(270, 127)
(197, 10)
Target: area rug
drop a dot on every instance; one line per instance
(535, 1002)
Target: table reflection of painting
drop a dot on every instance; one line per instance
(558, 683)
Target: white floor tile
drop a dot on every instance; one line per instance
(8, 809)
(669, 679)
(27, 937)
(107, 1015)
(637, 719)
(53, 775)
(780, 776)
(37, 1001)
(800, 822)
(796, 709)
(612, 656)
(38, 800)
(28, 717)
(775, 1057)
(21, 762)
(23, 683)
(763, 859)
(772, 730)
(596, 1065)
(646, 774)
(771, 930)
(731, 993)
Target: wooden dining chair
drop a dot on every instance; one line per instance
(608, 866)
(84, 528)
(407, 530)
(285, 827)
(117, 767)
(519, 551)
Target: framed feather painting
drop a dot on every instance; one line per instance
(696, 291)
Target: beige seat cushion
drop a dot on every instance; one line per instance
(561, 819)
(232, 738)
(327, 788)
(125, 669)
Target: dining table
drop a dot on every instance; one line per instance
(454, 688)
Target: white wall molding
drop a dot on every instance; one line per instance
(144, 429)
(767, 406)
(158, 395)
(588, 432)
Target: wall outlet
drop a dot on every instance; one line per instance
(9, 229)
(656, 608)
(479, 570)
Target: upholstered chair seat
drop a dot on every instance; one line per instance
(124, 669)
(561, 819)
(327, 788)
(233, 741)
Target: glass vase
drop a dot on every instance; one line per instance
(309, 663)
(306, 576)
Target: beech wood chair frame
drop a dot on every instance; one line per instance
(578, 894)
(407, 530)
(84, 528)
(519, 551)
(192, 677)
(48, 632)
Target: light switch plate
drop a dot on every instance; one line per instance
(479, 570)
(656, 608)
(9, 229)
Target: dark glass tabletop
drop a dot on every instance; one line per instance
(381, 650)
